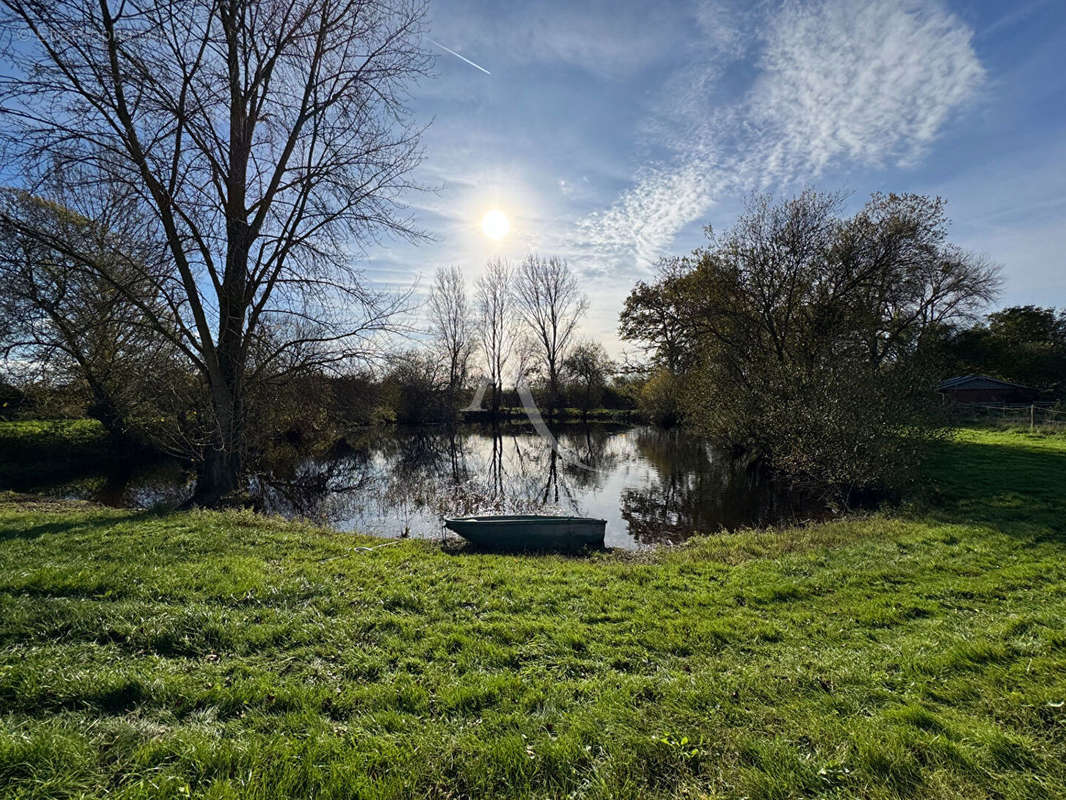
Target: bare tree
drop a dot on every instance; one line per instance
(494, 326)
(265, 136)
(451, 324)
(524, 357)
(552, 304)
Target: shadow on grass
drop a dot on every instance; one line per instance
(117, 697)
(24, 475)
(470, 549)
(100, 522)
(1016, 488)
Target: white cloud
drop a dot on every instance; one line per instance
(645, 219)
(865, 81)
(842, 81)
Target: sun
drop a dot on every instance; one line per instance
(495, 224)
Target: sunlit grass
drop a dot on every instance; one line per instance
(51, 433)
(915, 654)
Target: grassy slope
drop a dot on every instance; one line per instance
(918, 655)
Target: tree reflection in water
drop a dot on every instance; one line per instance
(696, 489)
(651, 485)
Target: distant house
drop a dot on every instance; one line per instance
(983, 389)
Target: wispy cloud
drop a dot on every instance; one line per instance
(858, 80)
(852, 82)
(637, 227)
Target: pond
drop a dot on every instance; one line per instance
(653, 486)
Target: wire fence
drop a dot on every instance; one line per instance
(1031, 416)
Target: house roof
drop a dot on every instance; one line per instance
(977, 382)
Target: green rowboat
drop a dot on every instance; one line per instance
(530, 532)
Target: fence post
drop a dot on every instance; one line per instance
(1032, 416)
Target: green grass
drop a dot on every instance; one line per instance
(915, 654)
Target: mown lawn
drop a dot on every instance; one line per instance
(915, 654)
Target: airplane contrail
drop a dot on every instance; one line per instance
(464, 58)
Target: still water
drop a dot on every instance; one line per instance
(652, 486)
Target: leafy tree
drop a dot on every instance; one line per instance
(653, 317)
(809, 330)
(589, 367)
(659, 398)
(11, 400)
(1022, 344)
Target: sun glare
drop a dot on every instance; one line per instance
(495, 224)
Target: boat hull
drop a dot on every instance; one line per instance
(530, 532)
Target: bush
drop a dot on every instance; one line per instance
(659, 398)
(11, 400)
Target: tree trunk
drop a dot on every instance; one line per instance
(105, 411)
(553, 389)
(496, 391)
(218, 475)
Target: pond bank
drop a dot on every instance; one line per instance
(653, 486)
(226, 654)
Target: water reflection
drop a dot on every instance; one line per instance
(650, 485)
(693, 488)
(161, 484)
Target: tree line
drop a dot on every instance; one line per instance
(803, 340)
(520, 328)
(1020, 344)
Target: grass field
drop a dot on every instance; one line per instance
(920, 653)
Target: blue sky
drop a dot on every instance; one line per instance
(613, 132)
